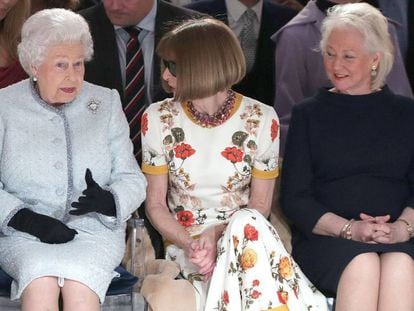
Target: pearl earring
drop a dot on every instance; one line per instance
(373, 71)
(34, 79)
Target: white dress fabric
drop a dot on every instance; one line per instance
(210, 171)
(44, 153)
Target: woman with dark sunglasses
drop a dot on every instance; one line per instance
(210, 156)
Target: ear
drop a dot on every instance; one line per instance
(33, 71)
(376, 59)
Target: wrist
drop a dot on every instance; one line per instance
(346, 231)
(408, 227)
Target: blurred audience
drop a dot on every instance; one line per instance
(38, 5)
(293, 4)
(12, 16)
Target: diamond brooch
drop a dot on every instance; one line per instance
(93, 105)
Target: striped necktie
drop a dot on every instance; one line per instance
(248, 40)
(134, 94)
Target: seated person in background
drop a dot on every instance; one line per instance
(210, 158)
(12, 16)
(63, 143)
(253, 22)
(293, 4)
(38, 5)
(348, 172)
(299, 66)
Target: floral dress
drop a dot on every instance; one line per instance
(209, 171)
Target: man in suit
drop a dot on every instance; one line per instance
(270, 17)
(107, 20)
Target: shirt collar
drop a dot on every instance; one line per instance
(235, 9)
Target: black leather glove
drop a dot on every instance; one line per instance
(95, 199)
(47, 229)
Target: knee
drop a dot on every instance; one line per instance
(78, 296)
(245, 216)
(43, 287)
(399, 265)
(364, 265)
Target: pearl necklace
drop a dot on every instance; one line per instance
(216, 119)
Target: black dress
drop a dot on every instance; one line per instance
(346, 154)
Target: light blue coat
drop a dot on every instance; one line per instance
(44, 152)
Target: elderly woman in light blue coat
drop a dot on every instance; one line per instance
(68, 178)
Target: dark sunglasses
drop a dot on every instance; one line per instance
(170, 65)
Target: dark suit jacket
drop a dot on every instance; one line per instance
(104, 68)
(259, 83)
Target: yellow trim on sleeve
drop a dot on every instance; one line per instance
(265, 174)
(154, 170)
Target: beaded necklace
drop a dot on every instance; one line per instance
(223, 113)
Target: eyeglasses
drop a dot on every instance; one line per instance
(170, 65)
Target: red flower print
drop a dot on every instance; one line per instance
(251, 233)
(226, 297)
(256, 282)
(185, 218)
(283, 296)
(255, 294)
(233, 154)
(183, 151)
(274, 129)
(144, 123)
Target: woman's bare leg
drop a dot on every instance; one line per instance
(396, 283)
(79, 297)
(358, 286)
(41, 294)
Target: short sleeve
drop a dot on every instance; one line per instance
(153, 157)
(266, 165)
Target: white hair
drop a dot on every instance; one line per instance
(51, 27)
(372, 25)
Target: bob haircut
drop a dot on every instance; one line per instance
(11, 26)
(51, 27)
(373, 27)
(207, 55)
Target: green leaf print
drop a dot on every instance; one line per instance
(238, 138)
(248, 159)
(179, 208)
(167, 140)
(178, 134)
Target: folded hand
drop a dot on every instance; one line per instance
(94, 199)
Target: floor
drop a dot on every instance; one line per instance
(112, 303)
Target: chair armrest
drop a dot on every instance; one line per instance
(136, 235)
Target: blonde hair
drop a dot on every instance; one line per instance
(11, 26)
(373, 27)
(208, 58)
